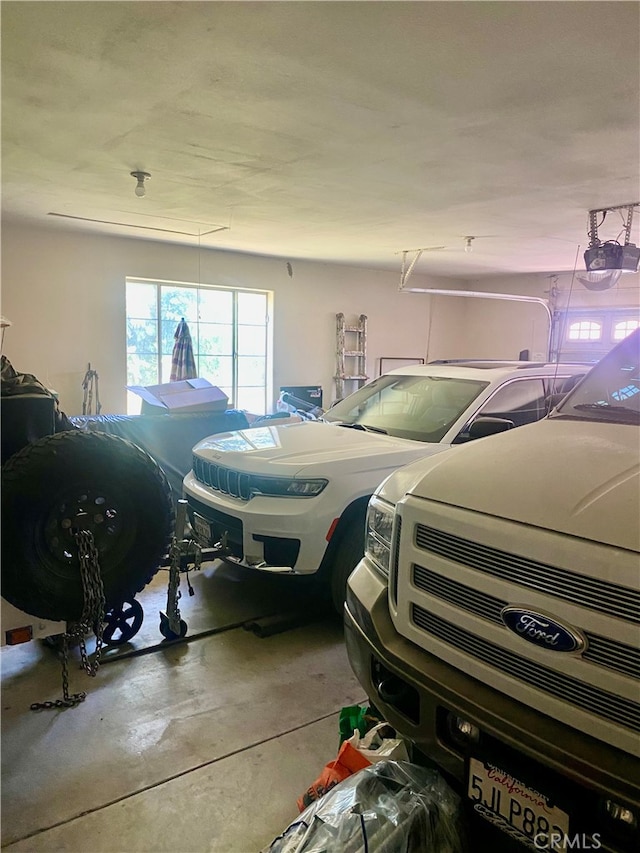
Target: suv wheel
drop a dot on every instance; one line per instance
(348, 553)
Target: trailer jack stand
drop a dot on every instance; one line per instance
(185, 555)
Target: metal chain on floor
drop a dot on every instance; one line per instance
(92, 618)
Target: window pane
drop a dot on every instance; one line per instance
(561, 384)
(585, 330)
(217, 369)
(624, 328)
(141, 301)
(252, 340)
(215, 339)
(251, 371)
(252, 399)
(252, 308)
(178, 302)
(229, 392)
(142, 370)
(215, 306)
(141, 336)
(169, 328)
(521, 402)
(166, 369)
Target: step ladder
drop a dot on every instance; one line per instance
(351, 355)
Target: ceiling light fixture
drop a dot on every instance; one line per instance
(468, 244)
(140, 177)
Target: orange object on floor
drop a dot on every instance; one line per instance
(348, 761)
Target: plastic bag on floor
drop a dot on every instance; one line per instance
(390, 806)
(380, 744)
(357, 718)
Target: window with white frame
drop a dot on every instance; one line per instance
(585, 330)
(624, 328)
(229, 328)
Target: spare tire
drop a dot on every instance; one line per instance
(72, 481)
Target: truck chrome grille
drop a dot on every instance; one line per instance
(605, 652)
(395, 559)
(593, 593)
(592, 699)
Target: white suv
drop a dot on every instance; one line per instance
(292, 498)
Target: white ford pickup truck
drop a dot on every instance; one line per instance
(292, 498)
(495, 617)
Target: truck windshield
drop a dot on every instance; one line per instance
(422, 408)
(611, 389)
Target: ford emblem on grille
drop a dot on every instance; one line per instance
(542, 630)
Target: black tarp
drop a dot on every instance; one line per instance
(169, 439)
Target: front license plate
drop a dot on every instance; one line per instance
(521, 812)
(202, 527)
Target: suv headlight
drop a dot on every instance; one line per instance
(284, 487)
(380, 516)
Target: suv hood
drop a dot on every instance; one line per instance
(313, 447)
(582, 479)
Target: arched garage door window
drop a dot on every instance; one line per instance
(587, 336)
(585, 330)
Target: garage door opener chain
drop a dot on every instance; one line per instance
(92, 618)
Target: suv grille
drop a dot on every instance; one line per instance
(221, 479)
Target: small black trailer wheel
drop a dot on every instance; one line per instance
(167, 633)
(123, 622)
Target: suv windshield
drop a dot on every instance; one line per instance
(422, 408)
(611, 389)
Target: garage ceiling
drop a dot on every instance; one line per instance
(334, 131)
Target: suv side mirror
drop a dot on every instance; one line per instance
(484, 426)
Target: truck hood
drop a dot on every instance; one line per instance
(579, 479)
(312, 447)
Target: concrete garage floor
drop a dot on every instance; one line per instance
(198, 745)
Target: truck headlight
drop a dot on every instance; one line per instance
(380, 516)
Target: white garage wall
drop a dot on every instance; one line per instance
(64, 293)
(502, 329)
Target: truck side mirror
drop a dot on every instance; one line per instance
(484, 426)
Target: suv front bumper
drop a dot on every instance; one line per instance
(269, 533)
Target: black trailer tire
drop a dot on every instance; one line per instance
(77, 480)
(122, 622)
(349, 552)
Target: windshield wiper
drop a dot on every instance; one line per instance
(362, 427)
(606, 408)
